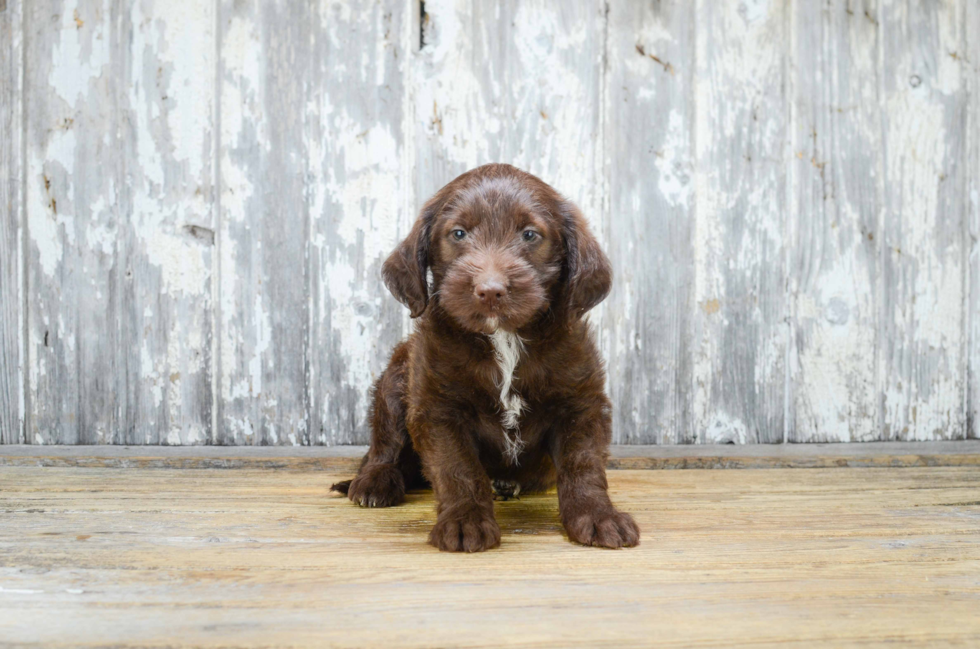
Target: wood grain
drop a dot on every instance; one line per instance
(921, 360)
(740, 311)
(73, 220)
(828, 557)
(197, 196)
(346, 459)
(11, 225)
(164, 249)
(118, 186)
(834, 241)
(265, 60)
(971, 27)
(513, 82)
(359, 174)
(649, 153)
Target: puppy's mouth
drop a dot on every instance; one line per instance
(492, 322)
(486, 319)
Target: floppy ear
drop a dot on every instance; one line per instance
(405, 270)
(588, 273)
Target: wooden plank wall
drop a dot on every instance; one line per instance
(11, 223)
(197, 197)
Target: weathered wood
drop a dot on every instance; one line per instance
(510, 82)
(788, 192)
(74, 191)
(345, 459)
(118, 183)
(971, 28)
(263, 236)
(823, 558)
(740, 311)
(921, 357)
(11, 224)
(515, 82)
(164, 247)
(55, 249)
(649, 155)
(360, 184)
(834, 241)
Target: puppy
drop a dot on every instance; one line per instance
(501, 382)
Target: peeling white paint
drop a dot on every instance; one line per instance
(673, 163)
(79, 57)
(725, 429)
(518, 88)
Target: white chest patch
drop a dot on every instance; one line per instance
(507, 349)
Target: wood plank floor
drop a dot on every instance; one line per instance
(215, 558)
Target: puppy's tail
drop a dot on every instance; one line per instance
(341, 487)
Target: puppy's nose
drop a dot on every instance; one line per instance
(490, 292)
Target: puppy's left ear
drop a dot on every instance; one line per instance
(405, 270)
(588, 273)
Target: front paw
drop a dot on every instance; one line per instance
(377, 485)
(472, 529)
(604, 527)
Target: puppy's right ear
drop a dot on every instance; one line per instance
(405, 270)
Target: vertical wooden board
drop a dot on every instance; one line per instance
(165, 231)
(264, 223)
(649, 150)
(11, 225)
(515, 82)
(72, 221)
(836, 166)
(740, 311)
(355, 109)
(921, 366)
(117, 178)
(972, 238)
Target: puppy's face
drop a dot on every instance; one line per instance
(503, 248)
(495, 253)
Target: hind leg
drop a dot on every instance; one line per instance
(388, 467)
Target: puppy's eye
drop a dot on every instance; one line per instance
(458, 235)
(529, 235)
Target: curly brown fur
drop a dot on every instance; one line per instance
(501, 379)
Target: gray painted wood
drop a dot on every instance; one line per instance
(922, 351)
(118, 170)
(649, 157)
(740, 311)
(788, 192)
(165, 252)
(834, 239)
(971, 28)
(513, 82)
(358, 198)
(264, 223)
(11, 225)
(73, 221)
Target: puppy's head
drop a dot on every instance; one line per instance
(503, 248)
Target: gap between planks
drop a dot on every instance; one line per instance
(347, 458)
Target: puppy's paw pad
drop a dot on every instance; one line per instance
(379, 485)
(604, 529)
(472, 530)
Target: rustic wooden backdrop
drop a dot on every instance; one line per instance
(197, 196)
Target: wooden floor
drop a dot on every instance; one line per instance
(245, 557)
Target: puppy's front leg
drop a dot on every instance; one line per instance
(465, 521)
(579, 450)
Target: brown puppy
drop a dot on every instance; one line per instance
(501, 379)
